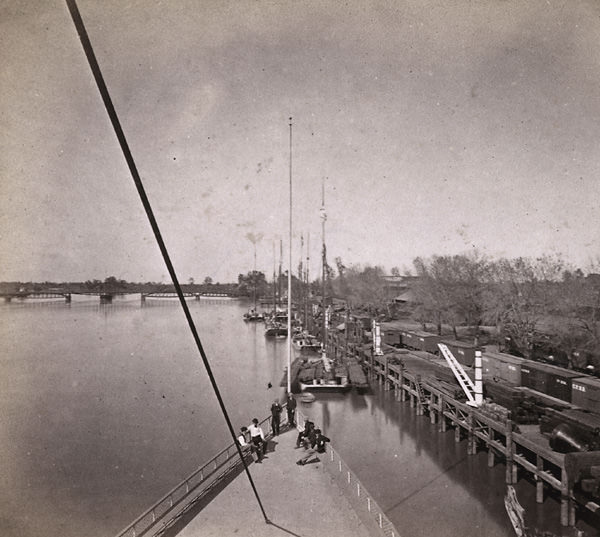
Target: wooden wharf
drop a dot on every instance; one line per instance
(523, 448)
(333, 500)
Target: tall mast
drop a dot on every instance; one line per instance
(274, 285)
(289, 316)
(302, 297)
(307, 279)
(324, 261)
(279, 277)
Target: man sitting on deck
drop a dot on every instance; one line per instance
(305, 436)
(318, 445)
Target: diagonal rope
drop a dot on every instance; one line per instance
(89, 52)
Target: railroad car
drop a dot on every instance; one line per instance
(420, 341)
(464, 352)
(391, 334)
(502, 366)
(550, 380)
(586, 393)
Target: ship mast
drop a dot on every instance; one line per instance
(289, 316)
(324, 261)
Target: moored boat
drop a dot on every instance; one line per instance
(324, 376)
(275, 329)
(306, 344)
(253, 316)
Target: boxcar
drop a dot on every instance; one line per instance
(391, 334)
(502, 366)
(548, 379)
(586, 393)
(464, 352)
(420, 341)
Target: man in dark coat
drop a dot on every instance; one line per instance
(291, 410)
(276, 417)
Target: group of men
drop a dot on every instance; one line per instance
(309, 437)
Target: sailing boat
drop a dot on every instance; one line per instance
(302, 340)
(253, 316)
(276, 322)
(323, 373)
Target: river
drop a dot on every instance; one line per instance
(104, 408)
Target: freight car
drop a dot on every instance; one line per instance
(464, 352)
(420, 341)
(550, 380)
(502, 366)
(391, 333)
(586, 393)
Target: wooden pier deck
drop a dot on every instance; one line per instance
(322, 497)
(299, 500)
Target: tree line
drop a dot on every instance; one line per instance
(528, 304)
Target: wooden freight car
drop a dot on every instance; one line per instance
(551, 380)
(391, 333)
(464, 352)
(420, 341)
(500, 365)
(586, 393)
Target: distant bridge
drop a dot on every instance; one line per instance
(106, 297)
(22, 295)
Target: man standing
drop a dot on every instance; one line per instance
(276, 417)
(257, 437)
(291, 410)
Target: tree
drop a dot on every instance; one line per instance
(449, 290)
(253, 283)
(523, 291)
(208, 280)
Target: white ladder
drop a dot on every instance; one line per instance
(463, 379)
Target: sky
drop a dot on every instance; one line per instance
(436, 128)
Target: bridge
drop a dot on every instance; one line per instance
(105, 296)
(22, 295)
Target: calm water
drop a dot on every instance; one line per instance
(104, 408)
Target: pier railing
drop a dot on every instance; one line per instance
(354, 490)
(165, 510)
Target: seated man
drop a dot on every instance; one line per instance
(305, 436)
(318, 441)
(243, 441)
(243, 437)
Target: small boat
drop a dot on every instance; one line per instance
(324, 375)
(275, 329)
(253, 316)
(307, 397)
(515, 512)
(306, 344)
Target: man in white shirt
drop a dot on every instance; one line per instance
(257, 437)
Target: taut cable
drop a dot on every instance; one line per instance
(110, 109)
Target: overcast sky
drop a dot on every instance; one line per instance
(440, 127)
